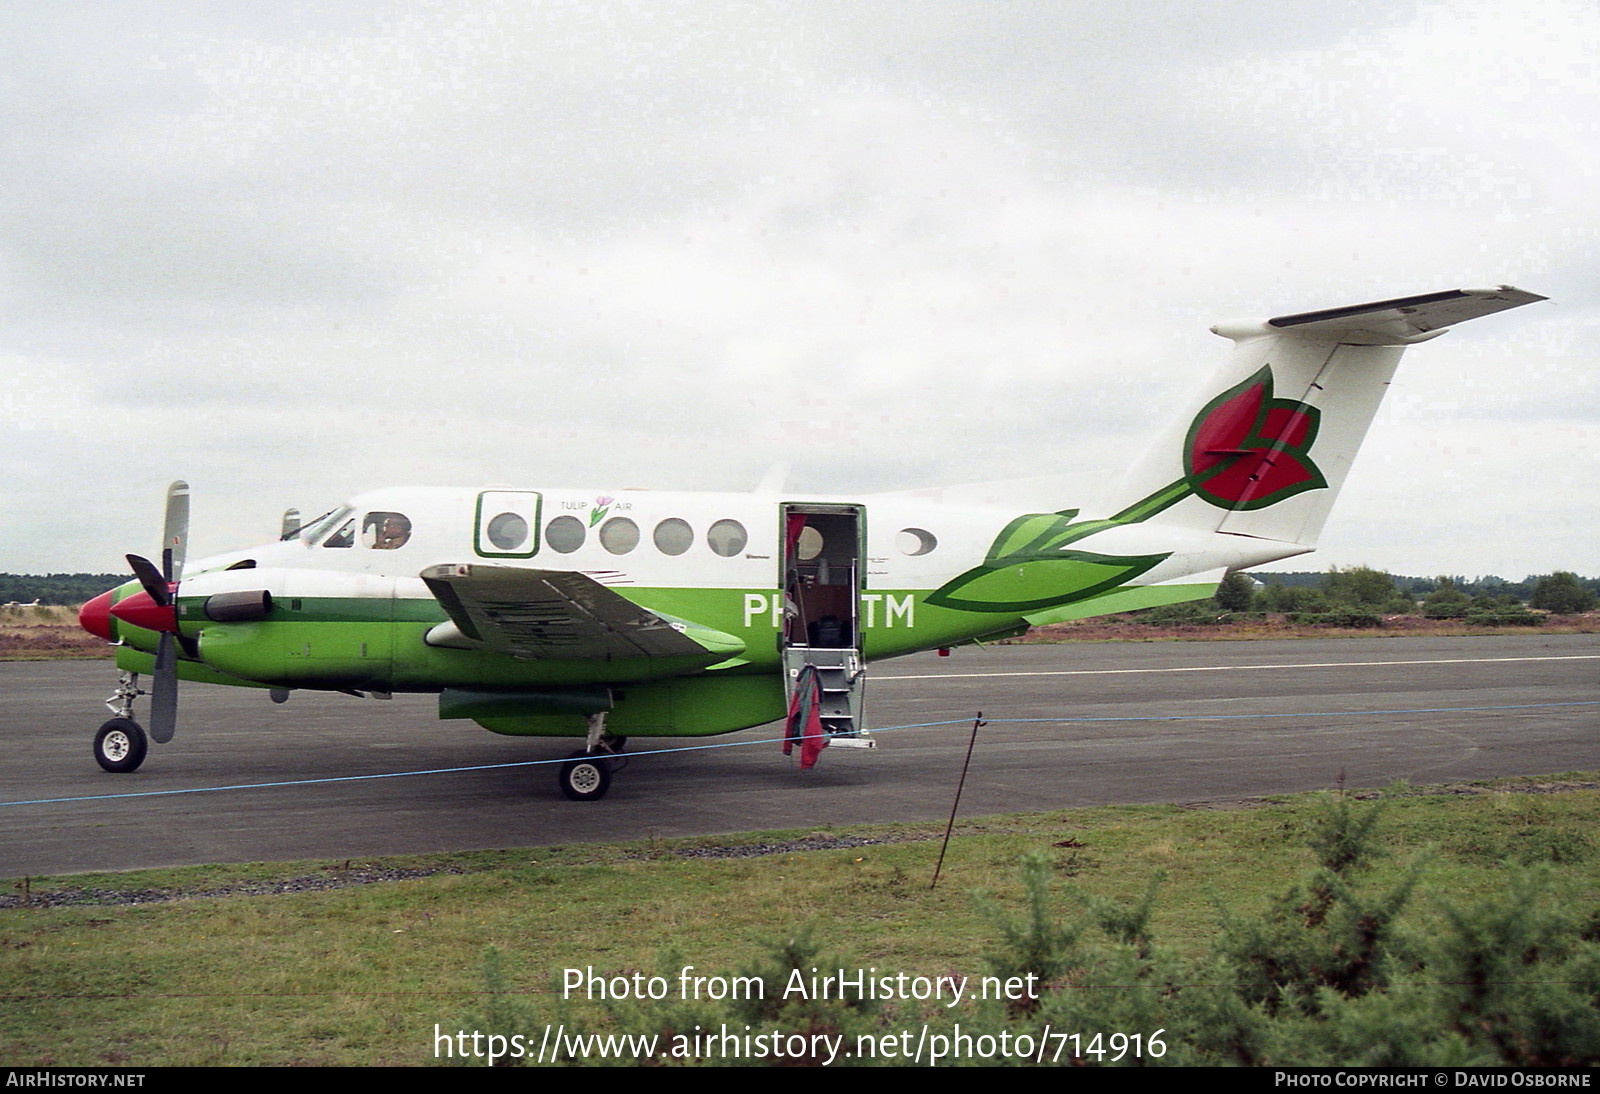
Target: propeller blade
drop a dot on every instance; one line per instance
(151, 579)
(164, 692)
(175, 534)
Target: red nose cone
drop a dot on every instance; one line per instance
(95, 616)
(141, 611)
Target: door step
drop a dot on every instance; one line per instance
(842, 681)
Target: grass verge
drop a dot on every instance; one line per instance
(358, 962)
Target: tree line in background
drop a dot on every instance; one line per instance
(1418, 587)
(71, 589)
(1362, 596)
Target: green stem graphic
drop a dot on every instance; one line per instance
(1146, 508)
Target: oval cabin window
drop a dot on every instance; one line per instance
(619, 535)
(673, 536)
(565, 534)
(727, 537)
(507, 531)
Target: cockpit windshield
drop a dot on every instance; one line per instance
(320, 527)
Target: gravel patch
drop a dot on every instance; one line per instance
(311, 883)
(783, 847)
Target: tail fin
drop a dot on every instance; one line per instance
(1266, 449)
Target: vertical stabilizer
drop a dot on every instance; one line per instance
(1265, 448)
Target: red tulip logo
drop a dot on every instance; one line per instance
(1247, 450)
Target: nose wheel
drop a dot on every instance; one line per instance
(120, 745)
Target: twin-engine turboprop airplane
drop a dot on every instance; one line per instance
(602, 615)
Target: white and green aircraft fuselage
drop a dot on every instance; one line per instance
(604, 613)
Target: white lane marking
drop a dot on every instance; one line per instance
(1243, 668)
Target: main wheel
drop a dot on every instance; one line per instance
(585, 778)
(120, 745)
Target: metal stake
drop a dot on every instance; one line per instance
(976, 722)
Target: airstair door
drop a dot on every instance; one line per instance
(823, 553)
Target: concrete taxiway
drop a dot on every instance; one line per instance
(1070, 725)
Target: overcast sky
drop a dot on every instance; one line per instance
(295, 251)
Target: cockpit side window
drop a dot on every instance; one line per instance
(385, 531)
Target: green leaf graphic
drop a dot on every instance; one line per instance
(1028, 583)
(1029, 533)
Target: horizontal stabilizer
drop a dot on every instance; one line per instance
(1398, 322)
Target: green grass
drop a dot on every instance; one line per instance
(360, 974)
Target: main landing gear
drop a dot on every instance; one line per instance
(120, 746)
(586, 776)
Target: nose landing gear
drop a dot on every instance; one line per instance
(120, 746)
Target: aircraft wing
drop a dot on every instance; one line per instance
(560, 615)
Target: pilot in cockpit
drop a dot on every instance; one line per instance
(393, 530)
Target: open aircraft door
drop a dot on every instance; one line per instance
(822, 566)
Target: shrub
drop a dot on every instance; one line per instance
(1345, 617)
(1505, 617)
(1563, 594)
